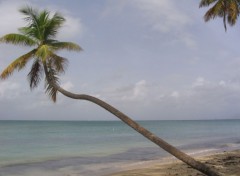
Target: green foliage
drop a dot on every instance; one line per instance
(66, 45)
(18, 39)
(51, 79)
(40, 24)
(40, 32)
(58, 63)
(227, 9)
(35, 74)
(204, 3)
(17, 64)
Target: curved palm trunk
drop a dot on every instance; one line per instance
(161, 143)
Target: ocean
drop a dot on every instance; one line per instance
(95, 148)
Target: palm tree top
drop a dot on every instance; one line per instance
(40, 32)
(227, 9)
(41, 26)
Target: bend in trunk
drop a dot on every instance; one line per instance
(158, 141)
(152, 137)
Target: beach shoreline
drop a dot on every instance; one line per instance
(63, 148)
(226, 162)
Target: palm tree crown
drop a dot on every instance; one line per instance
(40, 33)
(226, 9)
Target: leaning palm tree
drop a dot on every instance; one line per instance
(226, 9)
(40, 33)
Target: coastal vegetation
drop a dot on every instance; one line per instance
(40, 34)
(226, 9)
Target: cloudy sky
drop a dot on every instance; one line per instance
(152, 59)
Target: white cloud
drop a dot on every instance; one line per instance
(114, 7)
(138, 92)
(72, 28)
(9, 90)
(175, 94)
(200, 81)
(222, 83)
(140, 89)
(166, 17)
(163, 15)
(201, 99)
(68, 85)
(188, 40)
(10, 17)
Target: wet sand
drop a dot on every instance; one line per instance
(227, 163)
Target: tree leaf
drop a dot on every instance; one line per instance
(18, 39)
(17, 64)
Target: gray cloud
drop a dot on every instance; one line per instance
(202, 99)
(9, 90)
(164, 15)
(12, 21)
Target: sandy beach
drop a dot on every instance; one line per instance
(227, 163)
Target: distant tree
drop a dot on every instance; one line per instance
(40, 33)
(226, 9)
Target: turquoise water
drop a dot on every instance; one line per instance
(38, 144)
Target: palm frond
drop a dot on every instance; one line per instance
(51, 79)
(43, 17)
(35, 74)
(31, 32)
(18, 39)
(233, 12)
(66, 45)
(17, 64)
(216, 10)
(51, 92)
(36, 22)
(205, 3)
(52, 26)
(227, 9)
(33, 28)
(28, 11)
(58, 63)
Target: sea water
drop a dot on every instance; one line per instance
(101, 147)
